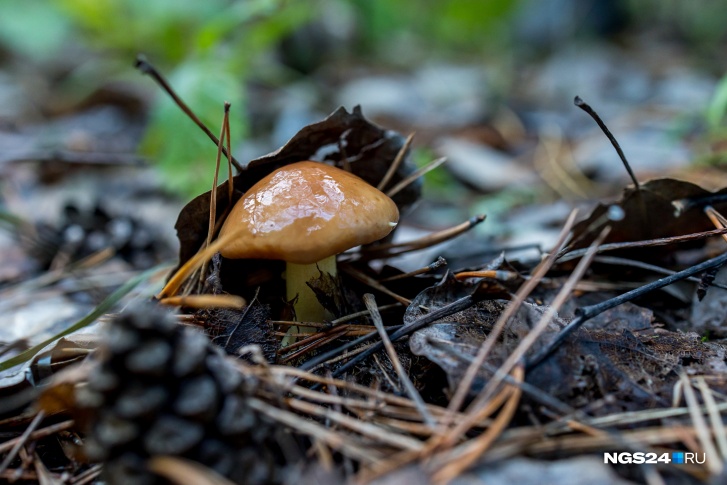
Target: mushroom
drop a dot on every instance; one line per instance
(305, 214)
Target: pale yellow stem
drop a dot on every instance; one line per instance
(307, 307)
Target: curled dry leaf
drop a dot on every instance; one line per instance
(234, 329)
(660, 208)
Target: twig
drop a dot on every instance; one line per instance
(585, 107)
(395, 249)
(367, 280)
(584, 314)
(315, 430)
(477, 446)
(577, 253)
(41, 433)
(395, 164)
(411, 178)
(87, 476)
(205, 301)
(426, 269)
(421, 322)
(147, 68)
(683, 205)
(614, 260)
(528, 341)
(465, 385)
(20, 441)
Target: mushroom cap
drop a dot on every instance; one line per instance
(305, 212)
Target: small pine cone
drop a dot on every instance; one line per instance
(163, 389)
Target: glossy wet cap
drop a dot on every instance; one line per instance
(305, 212)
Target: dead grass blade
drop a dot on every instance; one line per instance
(20, 442)
(411, 178)
(476, 447)
(182, 471)
(370, 303)
(396, 163)
(540, 271)
(527, 342)
(714, 463)
(206, 301)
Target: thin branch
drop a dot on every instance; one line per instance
(396, 163)
(147, 68)
(411, 178)
(21, 441)
(585, 107)
(577, 253)
(426, 269)
(396, 249)
(466, 384)
(584, 314)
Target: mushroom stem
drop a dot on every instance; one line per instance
(307, 307)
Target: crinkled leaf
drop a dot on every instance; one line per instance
(649, 213)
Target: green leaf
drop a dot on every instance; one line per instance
(185, 155)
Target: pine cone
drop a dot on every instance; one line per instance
(163, 389)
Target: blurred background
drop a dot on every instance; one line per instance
(487, 83)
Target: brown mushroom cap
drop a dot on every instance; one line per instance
(305, 212)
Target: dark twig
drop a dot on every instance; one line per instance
(585, 107)
(421, 322)
(584, 314)
(615, 261)
(145, 67)
(398, 332)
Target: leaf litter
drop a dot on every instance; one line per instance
(600, 375)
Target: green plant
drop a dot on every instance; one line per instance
(208, 49)
(445, 26)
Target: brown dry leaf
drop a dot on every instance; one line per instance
(625, 371)
(463, 333)
(619, 360)
(234, 329)
(60, 394)
(650, 213)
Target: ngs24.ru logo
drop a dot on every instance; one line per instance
(640, 458)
